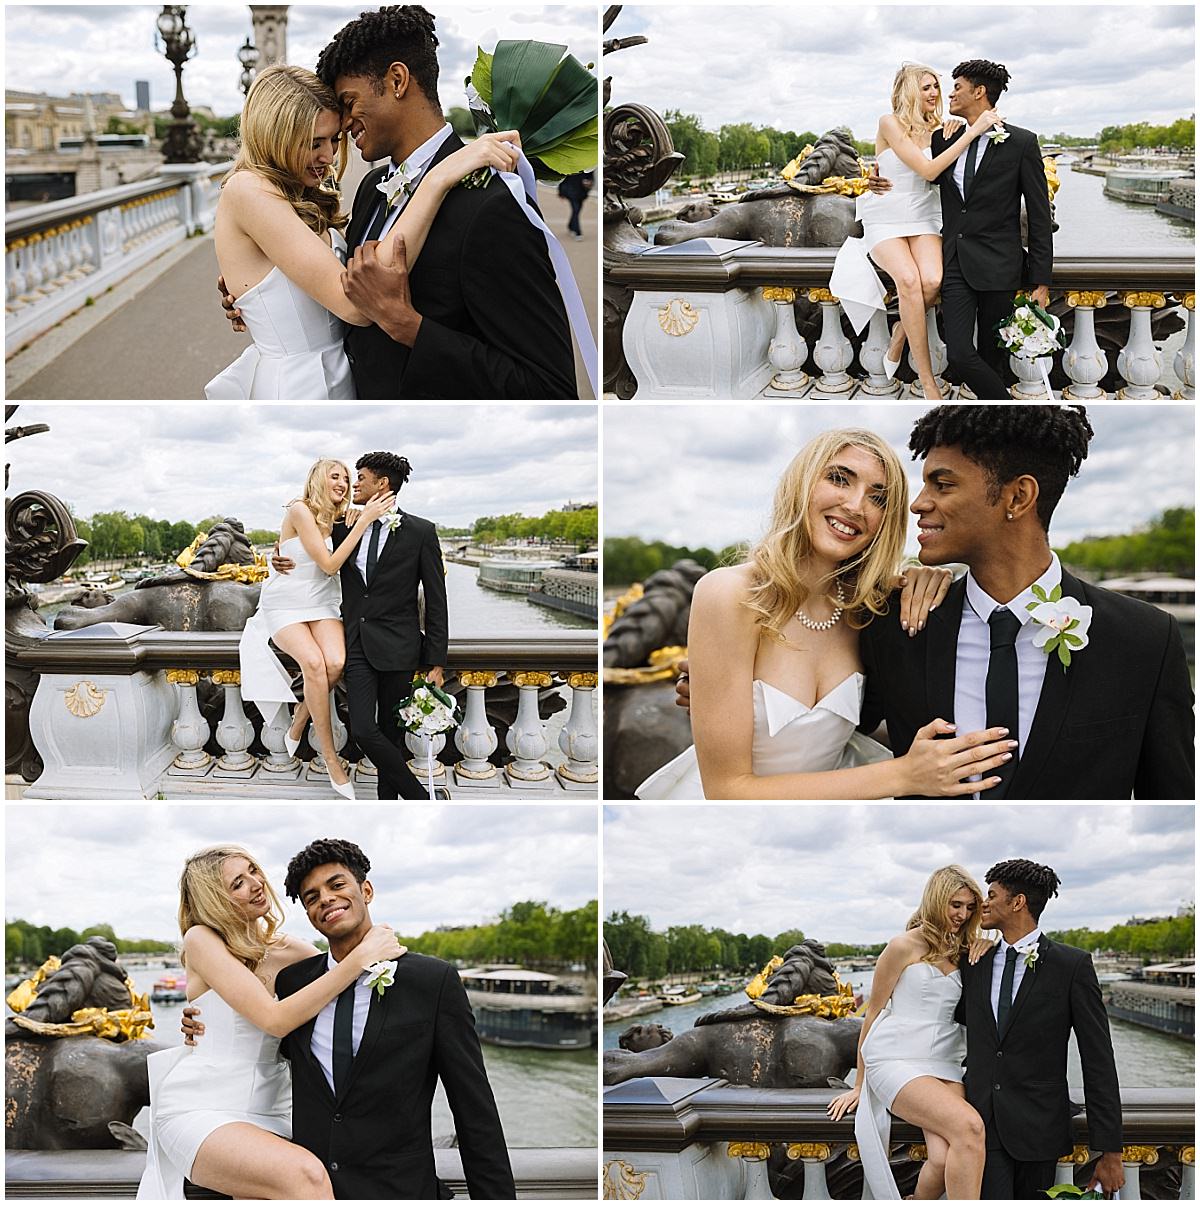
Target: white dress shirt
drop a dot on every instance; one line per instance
(975, 650)
(416, 164)
(1024, 945)
(364, 545)
(960, 164)
(322, 1034)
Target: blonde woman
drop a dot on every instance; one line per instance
(301, 611)
(911, 1048)
(279, 237)
(776, 681)
(221, 1112)
(902, 228)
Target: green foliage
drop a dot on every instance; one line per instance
(1180, 135)
(644, 954)
(1167, 544)
(575, 527)
(117, 126)
(530, 932)
(461, 121)
(27, 945)
(629, 559)
(1158, 938)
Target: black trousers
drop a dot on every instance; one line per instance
(982, 368)
(576, 206)
(373, 695)
(1009, 1179)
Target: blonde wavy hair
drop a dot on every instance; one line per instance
(277, 126)
(204, 900)
(932, 917)
(780, 557)
(906, 99)
(316, 493)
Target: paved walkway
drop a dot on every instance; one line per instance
(161, 335)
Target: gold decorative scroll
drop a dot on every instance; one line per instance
(183, 677)
(1139, 1154)
(623, 603)
(821, 295)
(583, 681)
(477, 677)
(663, 666)
(531, 677)
(809, 1150)
(1130, 300)
(1095, 298)
(24, 994)
(227, 677)
(622, 1182)
(1077, 1154)
(779, 293)
(918, 1152)
(749, 1150)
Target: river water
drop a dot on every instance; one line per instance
(545, 1097)
(1145, 1059)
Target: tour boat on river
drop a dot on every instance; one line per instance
(516, 1007)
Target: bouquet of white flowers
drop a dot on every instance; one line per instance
(1030, 333)
(427, 712)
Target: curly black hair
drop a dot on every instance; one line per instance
(979, 73)
(1020, 876)
(1047, 442)
(318, 853)
(395, 468)
(396, 33)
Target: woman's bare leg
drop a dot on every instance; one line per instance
(895, 257)
(246, 1163)
(297, 641)
(931, 1183)
(331, 636)
(300, 718)
(941, 1108)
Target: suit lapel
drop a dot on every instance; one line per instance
(983, 986)
(941, 638)
(1029, 981)
(1058, 685)
(363, 212)
(376, 1017)
(988, 160)
(301, 1038)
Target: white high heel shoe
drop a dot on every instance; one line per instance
(890, 367)
(290, 744)
(344, 789)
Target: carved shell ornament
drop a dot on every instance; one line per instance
(622, 1182)
(84, 699)
(678, 317)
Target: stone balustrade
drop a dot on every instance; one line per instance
(117, 714)
(723, 326)
(698, 1139)
(59, 255)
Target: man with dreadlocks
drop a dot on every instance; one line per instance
(1020, 1004)
(1109, 716)
(481, 315)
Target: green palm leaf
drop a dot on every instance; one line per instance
(578, 152)
(570, 99)
(520, 74)
(481, 75)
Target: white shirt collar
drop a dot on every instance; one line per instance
(983, 604)
(1022, 944)
(332, 962)
(419, 159)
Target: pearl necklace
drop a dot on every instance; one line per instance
(825, 624)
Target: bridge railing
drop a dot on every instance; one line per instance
(690, 1139)
(116, 714)
(723, 326)
(59, 255)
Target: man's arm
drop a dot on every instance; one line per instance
(1167, 763)
(1040, 264)
(1102, 1092)
(870, 715)
(435, 646)
(476, 1121)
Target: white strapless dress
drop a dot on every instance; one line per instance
(912, 206)
(233, 1074)
(915, 1035)
(304, 594)
(297, 354)
(789, 738)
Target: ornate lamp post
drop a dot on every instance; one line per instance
(248, 55)
(183, 143)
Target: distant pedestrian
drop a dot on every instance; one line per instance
(576, 188)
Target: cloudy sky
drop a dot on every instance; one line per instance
(431, 865)
(103, 48)
(854, 872)
(814, 66)
(705, 475)
(191, 461)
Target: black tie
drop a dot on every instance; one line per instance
(1004, 1005)
(343, 1038)
(1001, 692)
(969, 170)
(378, 220)
(373, 550)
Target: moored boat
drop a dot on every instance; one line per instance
(169, 989)
(516, 1007)
(678, 994)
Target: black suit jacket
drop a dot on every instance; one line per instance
(382, 616)
(1017, 1081)
(1117, 723)
(984, 232)
(375, 1138)
(493, 322)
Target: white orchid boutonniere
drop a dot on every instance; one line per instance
(396, 186)
(381, 975)
(998, 134)
(1062, 623)
(1029, 957)
(394, 519)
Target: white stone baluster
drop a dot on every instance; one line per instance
(14, 274)
(526, 739)
(756, 1183)
(938, 357)
(787, 350)
(475, 737)
(814, 1156)
(1030, 386)
(421, 747)
(1064, 1171)
(235, 732)
(833, 352)
(279, 763)
(1084, 361)
(190, 731)
(1139, 361)
(1187, 1164)
(579, 739)
(1185, 358)
(870, 356)
(318, 768)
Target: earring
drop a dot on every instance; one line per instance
(1008, 514)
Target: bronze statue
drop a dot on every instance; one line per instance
(89, 977)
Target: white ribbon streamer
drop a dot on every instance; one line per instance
(522, 184)
(429, 767)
